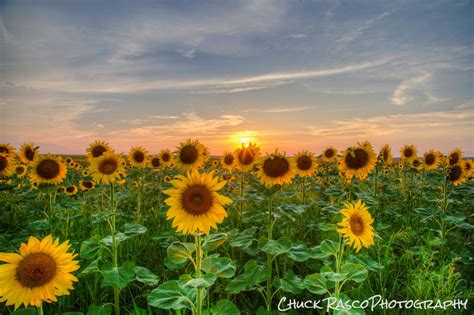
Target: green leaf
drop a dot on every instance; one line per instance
(119, 238)
(330, 275)
(99, 310)
(237, 285)
(224, 307)
(170, 295)
(72, 313)
(222, 267)
(299, 252)
(213, 241)
(243, 239)
(355, 272)
(144, 275)
(203, 282)
(91, 268)
(315, 283)
(25, 311)
(277, 247)
(132, 229)
(118, 277)
(329, 247)
(290, 283)
(90, 248)
(254, 273)
(179, 252)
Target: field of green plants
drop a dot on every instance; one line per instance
(257, 231)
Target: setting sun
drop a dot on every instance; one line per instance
(243, 138)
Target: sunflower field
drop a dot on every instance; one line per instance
(184, 232)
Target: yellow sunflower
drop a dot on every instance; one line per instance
(107, 168)
(166, 179)
(7, 149)
(468, 167)
(85, 172)
(20, 170)
(195, 204)
(357, 161)
(417, 164)
(68, 160)
(48, 169)
(228, 160)
(276, 169)
(6, 165)
(456, 174)
(408, 153)
(330, 154)
(97, 149)
(155, 161)
(190, 155)
(357, 225)
(305, 163)
(246, 157)
(386, 155)
(215, 163)
(455, 157)
(86, 185)
(138, 156)
(431, 160)
(41, 272)
(28, 152)
(70, 190)
(166, 158)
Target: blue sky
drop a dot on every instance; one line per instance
(289, 74)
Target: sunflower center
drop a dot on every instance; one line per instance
(408, 152)
(276, 167)
(455, 173)
(108, 166)
(453, 158)
(35, 270)
(138, 156)
(467, 167)
(359, 159)
(188, 154)
(70, 189)
(87, 184)
(98, 150)
(3, 163)
(246, 157)
(48, 169)
(329, 153)
(430, 159)
(4, 150)
(165, 157)
(29, 154)
(357, 224)
(385, 155)
(416, 163)
(19, 170)
(228, 159)
(155, 162)
(304, 162)
(197, 200)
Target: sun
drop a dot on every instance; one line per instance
(243, 138)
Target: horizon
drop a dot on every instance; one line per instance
(288, 75)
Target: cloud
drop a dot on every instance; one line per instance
(277, 110)
(469, 104)
(401, 95)
(401, 124)
(164, 117)
(354, 34)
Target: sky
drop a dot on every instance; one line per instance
(293, 75)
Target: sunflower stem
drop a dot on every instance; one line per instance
(303, 189)
(114, 248)
(339, 256)
(197, 239)
(39, 309)
(269, 295)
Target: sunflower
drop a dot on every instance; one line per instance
(85, 172)
(166, 179)
(166, 158)
(68, 160)
(456, 174)
(417, 164)
(107, 168)
(468, 167)
(357, 225)
(138, 156)
(385, 155)
(305, 163)
(408, 153)
(455, 157)
(190, 155)
(195, 204)
(6, 165)
(28, 152)
(357, 161)
(7, 149)
(228, 160)
(42, 271)
(431, 160)
(48, 169)
(215, 163)
(70, 190)
(20, 170)
(276, 169)
(330, 154)
(246, 157)
(86, 185)
(97, 149)
(155, 161)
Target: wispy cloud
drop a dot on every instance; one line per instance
(276, 110)
(401, 94)
(359, 31)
